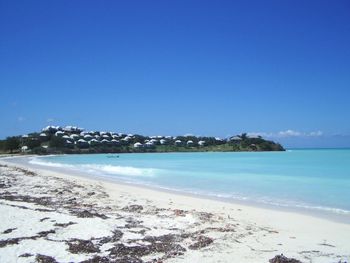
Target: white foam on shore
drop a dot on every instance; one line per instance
(99, 168)
(279, 203)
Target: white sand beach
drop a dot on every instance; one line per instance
(47, 216)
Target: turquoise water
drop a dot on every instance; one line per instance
(307, 179)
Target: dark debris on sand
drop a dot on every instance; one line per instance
(77, 246)
(87, 214)
(26, 255)
(133, 208)
(166, 244)
(16, 240)
(201, 241)
(116, 236)
(283, 259)
(44, 259)
(160, 247)
(7, 231)
(64, 224)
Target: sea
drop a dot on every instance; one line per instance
(311, 180)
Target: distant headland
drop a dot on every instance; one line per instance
(73, 140)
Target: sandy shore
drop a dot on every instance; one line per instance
(47, 216)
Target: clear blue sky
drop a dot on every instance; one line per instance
(176, 67)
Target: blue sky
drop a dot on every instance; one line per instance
(278, 68)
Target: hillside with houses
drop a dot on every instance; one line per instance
(72, 139)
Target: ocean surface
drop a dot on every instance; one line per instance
(315, 180)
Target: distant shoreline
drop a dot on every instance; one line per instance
(72, 139)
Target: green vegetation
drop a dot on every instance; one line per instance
(56, 140)
(11, 144)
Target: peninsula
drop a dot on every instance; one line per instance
(72, 139)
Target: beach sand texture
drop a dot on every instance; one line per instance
(48, 216)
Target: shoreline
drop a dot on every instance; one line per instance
(246, 233)
(322, 213)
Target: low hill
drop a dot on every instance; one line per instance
(70, 139)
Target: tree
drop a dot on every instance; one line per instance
(243, 136)
(33, 143)
(12, 143)
(56, 142)
(2, 145)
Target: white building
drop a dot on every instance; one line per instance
(178, 142)
(138, 145)
(201, 143)
(189, 143)
(59, 133)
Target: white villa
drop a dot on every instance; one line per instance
(138, 145)
(201, 143)
(59, 133)
(189, 143)
(178, 142)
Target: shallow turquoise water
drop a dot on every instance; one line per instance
(308, 179)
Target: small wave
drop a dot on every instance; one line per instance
(50, 164)
(279, 203)
(100, 169)
(120, 170)
(290, 204)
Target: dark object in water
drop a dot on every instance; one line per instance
(113, 156)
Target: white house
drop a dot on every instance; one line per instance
(154, 141)
(149, 144)
(189, 143)
(201, 143)
(82, 143)
(138, 145)
(59, 133)
(68, 128)
(115, 142)
(24, 149)
(50, 129)
(127, 138)
(88, 137)
(74, 136)
(178, 142)
(105, 141)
